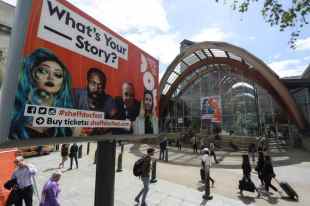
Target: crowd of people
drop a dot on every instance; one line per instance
(23, 179)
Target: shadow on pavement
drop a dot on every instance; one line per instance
(246, 199)
(272, 200)
(203, 203)
(289, 199)
(50, 169)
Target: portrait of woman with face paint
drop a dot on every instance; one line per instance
(150, 117)
(43, 80)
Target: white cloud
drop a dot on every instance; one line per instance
(211, 34)
(303, 44)
(276, 56)
(144, 23)
(252, 37)
(161, 74)
(307, 58)
(164, 46)
(289, 67)
(123, 16)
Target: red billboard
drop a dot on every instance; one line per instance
(79, 78)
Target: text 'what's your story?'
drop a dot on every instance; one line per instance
(60, 25)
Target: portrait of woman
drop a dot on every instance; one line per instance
(151, 121)
(43, 80)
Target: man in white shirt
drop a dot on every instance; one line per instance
(23, 174)
(206, 164)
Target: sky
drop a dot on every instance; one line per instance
(158, 27)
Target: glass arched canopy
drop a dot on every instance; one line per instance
(221, 69)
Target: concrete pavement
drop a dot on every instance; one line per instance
(178, 183)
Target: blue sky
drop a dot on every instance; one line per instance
(158, 26)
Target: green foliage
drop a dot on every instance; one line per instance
(281, 13)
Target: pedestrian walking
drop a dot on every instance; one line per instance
(268, 174)
(246, 182)
(195, 144)
(163, 147)
(179, 144)
(74, 155)
(260, 166)
(23, 174)
(145, 176)
(212, 152)
(205, 172)
(252, 151)
(64, 151)
(51, 190)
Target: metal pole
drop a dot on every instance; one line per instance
(105, 174)
(88, 147)
(255, 90)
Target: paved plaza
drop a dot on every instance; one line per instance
(178, 180)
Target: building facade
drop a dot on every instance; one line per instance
(218, 87)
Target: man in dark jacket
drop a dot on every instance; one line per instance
(127, 107)
(145, 177)
(74, 154)
(163, 146)
(268, 174)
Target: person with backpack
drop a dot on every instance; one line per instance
(142, 169)
(74, 154)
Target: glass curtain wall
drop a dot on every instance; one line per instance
(246, 108)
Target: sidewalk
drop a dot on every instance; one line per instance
(178, 183)
(77, 187)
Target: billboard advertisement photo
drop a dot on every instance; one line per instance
(211, 108)
(77, 78)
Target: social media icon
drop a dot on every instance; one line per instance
(31, 109)
(42, 110)
(52, 111)
(40, 120)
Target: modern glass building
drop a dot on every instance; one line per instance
(218, 87)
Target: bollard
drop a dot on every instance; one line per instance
(153, 178)
(122, 148)
(95, 157)
(80, 151)
(166, 155)
(88, 147)
(119, 162)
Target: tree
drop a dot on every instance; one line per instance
(291, 14)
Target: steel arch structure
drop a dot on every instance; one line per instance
(194, 61)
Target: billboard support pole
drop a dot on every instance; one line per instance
(105, 174)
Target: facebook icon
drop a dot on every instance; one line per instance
(31, 109)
